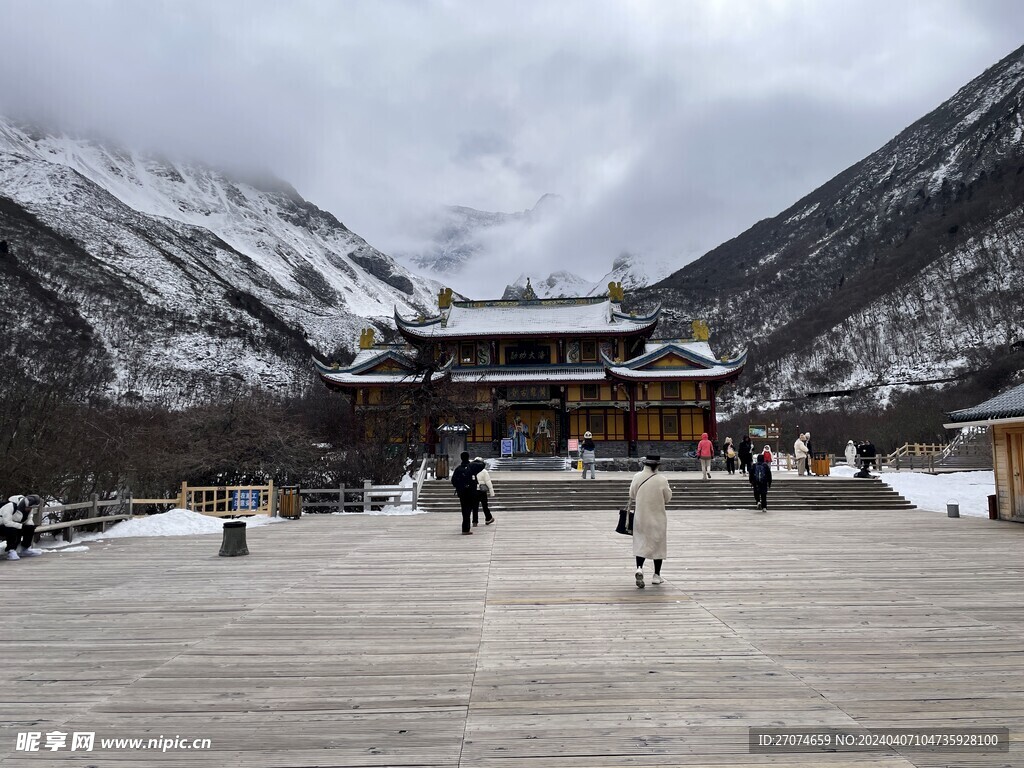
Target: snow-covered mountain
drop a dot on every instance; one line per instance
(184, 274)
(631, 270)
(459, 234)
(906, 267)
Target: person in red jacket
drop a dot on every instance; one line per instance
(705, 452)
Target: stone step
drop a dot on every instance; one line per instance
(786, 493)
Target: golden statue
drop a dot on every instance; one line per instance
(444, 298)
(366, 338)
(615, 292)
(701, 332)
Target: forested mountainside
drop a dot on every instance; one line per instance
(172, 279)
(905, 267)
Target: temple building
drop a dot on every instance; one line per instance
(548, 370)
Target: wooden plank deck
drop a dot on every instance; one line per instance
(394, 641)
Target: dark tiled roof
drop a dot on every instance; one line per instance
(1008, 405)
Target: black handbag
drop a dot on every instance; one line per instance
(625, 525)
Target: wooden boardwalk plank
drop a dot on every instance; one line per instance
(394, 641)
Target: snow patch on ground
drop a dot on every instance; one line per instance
(175, 522)
(932, 492)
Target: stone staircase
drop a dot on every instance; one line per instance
(573, 493)
(531, 463)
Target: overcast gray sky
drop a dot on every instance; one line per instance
(668, 127)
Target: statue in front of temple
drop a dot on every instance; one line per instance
(519, 432)
(542, 436)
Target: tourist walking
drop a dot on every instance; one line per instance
(767, 453)
(705, 452)
(746, 454)
(800, 454)
(651, 492)
(810, 454)
(588, 455)
(761, 481)
(464, 481)
(17, 529)
(484, 489)
(730, 456)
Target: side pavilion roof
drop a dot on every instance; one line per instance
(675, 361)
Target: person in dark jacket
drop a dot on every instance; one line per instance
(746, 454)
(17, 529)
(464, 480)
(761, 480)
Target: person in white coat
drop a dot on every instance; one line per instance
(651, 492)
(484, 489)
(800, 454)
(851, 454)
(17, 528)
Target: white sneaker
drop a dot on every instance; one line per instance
(30, 552)
(639, 578)
(657, 579)
(12, 555)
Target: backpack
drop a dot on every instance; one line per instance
(463, 479)
(730, 452)
(759, 473)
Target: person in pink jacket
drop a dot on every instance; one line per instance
(705, 452)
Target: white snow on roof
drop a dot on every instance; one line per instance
(660, 374)
(701, 348)
(529, 319)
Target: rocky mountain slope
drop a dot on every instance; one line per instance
(906, 267)
(178, 277)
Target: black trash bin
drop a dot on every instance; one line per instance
(233, 544)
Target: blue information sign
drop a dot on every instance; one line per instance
(247, 499)
(506, 446)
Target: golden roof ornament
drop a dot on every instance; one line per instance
(444, 298)
(366, 338)
(701, 332)
(615, 292)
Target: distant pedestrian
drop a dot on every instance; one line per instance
(730, 456)
(705, 452)
(651, 492)
(800, 454)
(761, 480)
(588, 455)
(17, 526)
(484, 489)
(746, 454)
(851, 454)
(466, 489)
(767, 453)
(810, 453)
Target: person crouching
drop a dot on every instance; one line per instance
(17, 529)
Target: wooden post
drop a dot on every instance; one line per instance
(184, 491)
(341, 497)
(273, 500)
(94, 510)
(366, 495)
